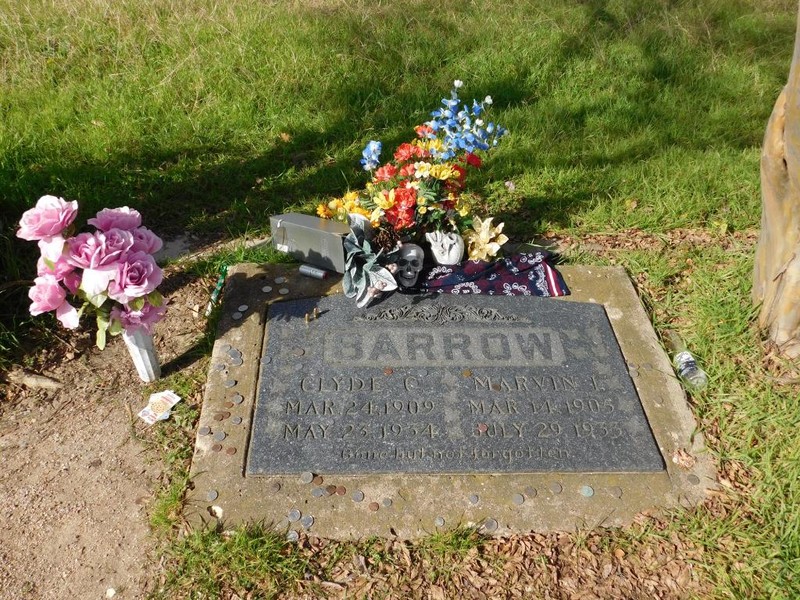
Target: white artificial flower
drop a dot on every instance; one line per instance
(458, 83)
(487, 100)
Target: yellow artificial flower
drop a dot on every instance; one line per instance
(375, 217)
(422, 169)
(351, 197)
(442, 172)
(324, 212)
(335, 204)
(484, 241)
(384, 201)
(359, 210)
(421, 209)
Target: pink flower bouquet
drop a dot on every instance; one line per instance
(110, 271)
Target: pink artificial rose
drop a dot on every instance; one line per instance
(60, 269)
(52, 248)
(145, 240)
(99, 255)
(99, 249)
(47, 295)
(137, 275)
(48, 218)
(132, 320)
(117, 218)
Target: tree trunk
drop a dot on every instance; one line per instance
(776, 277)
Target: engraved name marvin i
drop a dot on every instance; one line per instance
(449, 389)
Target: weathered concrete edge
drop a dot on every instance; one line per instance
(412, 514)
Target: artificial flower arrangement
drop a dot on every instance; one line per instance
(110, 271)
(417, 195)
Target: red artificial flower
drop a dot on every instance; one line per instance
(405, 198)
(408, 170)
(408, 151)
(474, 160)
(386, 172)
(423, 130)
(400, 218)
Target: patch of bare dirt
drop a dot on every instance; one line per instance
(75, 483)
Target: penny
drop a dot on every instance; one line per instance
(217, 447)
(228, 404)
(556, 487)
(219, 417)
(317, 480)
(374, 506)
(294, 515)
(341, 490)
(274, 487)
(298, 352)
(466, 373)
(331, 489)
(531, 491)
(483, 427)
(225, 414)
(358, 496)
(388, 371)
(230, 451)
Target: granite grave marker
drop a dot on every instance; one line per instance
(445, 384)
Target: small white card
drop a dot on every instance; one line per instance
(159, 407)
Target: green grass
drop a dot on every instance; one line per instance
(623, 115)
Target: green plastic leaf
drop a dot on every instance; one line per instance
(102, 326)
(116, 327)
(382, 279)
(155, 298)
(348, 286)
(136, 303)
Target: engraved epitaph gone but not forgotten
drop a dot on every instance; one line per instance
(446, 384)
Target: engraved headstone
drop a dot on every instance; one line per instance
(446, 384)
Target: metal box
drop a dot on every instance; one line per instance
(310, 239)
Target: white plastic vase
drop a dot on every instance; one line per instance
(143, 353)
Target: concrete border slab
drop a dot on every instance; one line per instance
(410, 506)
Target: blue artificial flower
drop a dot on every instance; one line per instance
(371, 155)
